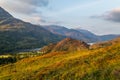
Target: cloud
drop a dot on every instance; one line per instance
(113, 15)
(40, 20)
(34, 19)
(23, 6)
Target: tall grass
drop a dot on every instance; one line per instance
(100, 64)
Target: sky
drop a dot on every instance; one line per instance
(98, 16)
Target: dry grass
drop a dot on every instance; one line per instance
(100, 64)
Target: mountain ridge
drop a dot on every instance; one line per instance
(4, 14)
(79, 34)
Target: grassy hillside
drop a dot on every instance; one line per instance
(99, 64)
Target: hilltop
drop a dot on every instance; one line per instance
(67, 44)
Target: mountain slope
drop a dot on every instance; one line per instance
(66, 44)
(16, 34)
(79, 34)
(99, 64)
(4, 14)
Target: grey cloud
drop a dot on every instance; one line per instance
(50, 22)
(23, 6)
(113, 15)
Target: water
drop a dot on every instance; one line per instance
(90, 43)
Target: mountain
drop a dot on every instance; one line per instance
(67, 44)
(97, 64)
(16, 34)
(79, 34)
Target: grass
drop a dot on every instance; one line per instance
(100, 64)
(5, 56)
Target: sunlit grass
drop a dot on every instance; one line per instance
(100, 64)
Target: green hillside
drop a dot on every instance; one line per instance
(97, 64)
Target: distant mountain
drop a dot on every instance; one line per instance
(91, 36)
(16, 34)
(79, 34)
(66, 44)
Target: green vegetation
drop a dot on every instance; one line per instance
(97, 64)
(12, 58)
(6, 59)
